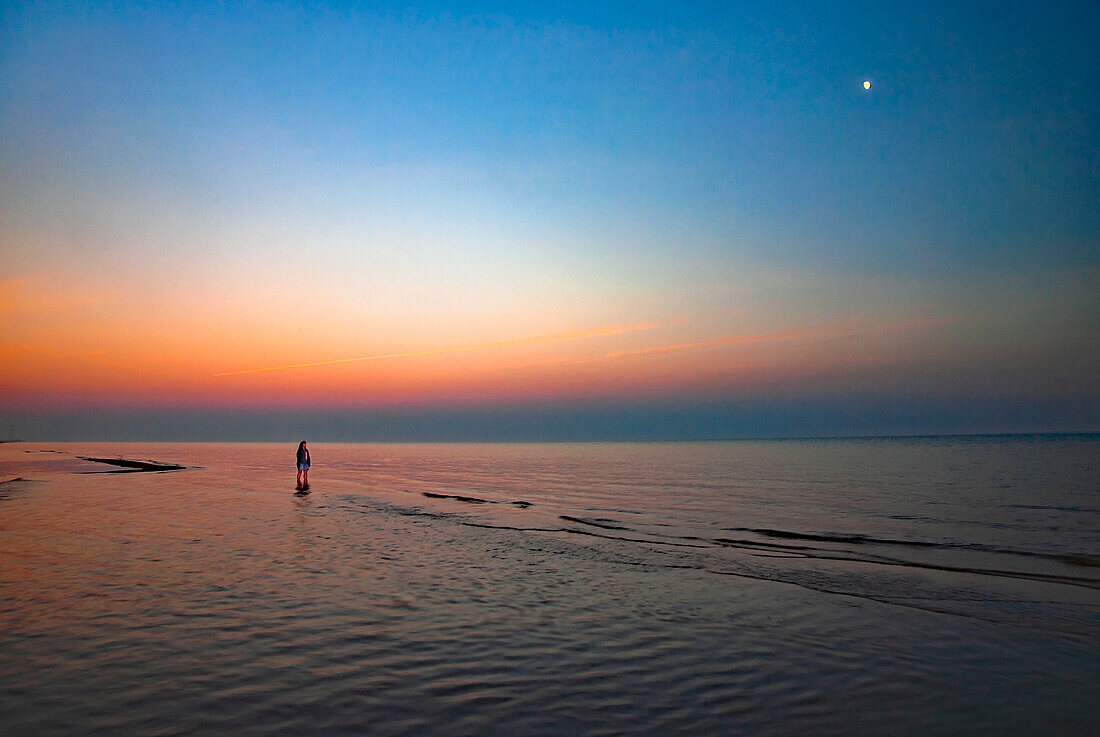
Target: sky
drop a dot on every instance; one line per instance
(494, 221)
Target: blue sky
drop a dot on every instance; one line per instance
(404, 178)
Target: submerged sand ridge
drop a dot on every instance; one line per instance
(131, 466)
(34, 461)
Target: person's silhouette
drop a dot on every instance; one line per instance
(302, 460)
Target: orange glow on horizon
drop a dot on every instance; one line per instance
(575, 335)
(68, 346)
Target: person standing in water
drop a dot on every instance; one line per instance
(302, 460)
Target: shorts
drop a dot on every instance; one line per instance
(303, 466)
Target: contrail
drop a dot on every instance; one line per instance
(576, 335)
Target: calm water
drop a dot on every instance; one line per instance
(944, 586)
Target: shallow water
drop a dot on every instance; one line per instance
(902, 586)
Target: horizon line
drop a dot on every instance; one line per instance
(728, 439)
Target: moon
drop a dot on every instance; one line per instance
(866, 84)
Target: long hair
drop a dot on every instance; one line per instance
(301, 444)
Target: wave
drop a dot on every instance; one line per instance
(779, 561)
(474, 499)
(1047, 507)
(1076, 559)
(764, 548)
(18, 484)
(603, 523)
(835, 537)
(826, 554)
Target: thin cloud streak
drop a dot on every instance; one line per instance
(554, 338)
(792, 334)
(784, 335)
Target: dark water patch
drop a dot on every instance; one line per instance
(835, 538)
(607, 524)
(18, 484)
(1079, 560)
(474, 499)
(616, 510)
(590, 533)
(406, 512)
(456, 497)
(741, 543)
(1073, 559)
(1053, 508)
(12, 485)
(130, 466)
(513, 528)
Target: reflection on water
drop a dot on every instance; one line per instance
(842, 587)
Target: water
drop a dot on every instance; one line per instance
(907, 586)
